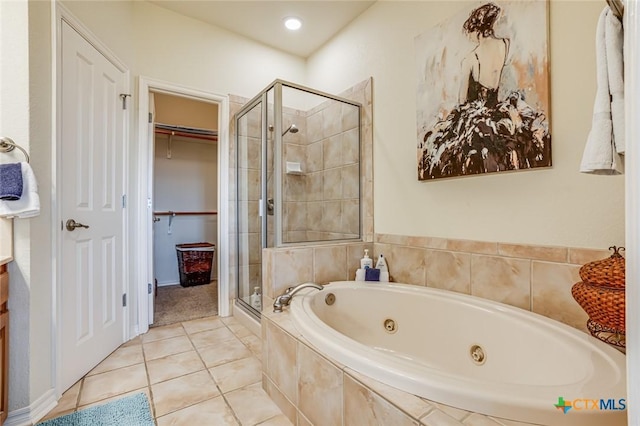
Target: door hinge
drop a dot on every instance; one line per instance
(124, 200)
(124, 97)
(149, 288)
(150, 118)
(124, 300)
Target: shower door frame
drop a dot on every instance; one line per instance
(262, 98)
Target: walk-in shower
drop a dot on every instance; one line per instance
(298, 176)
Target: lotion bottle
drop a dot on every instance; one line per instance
(382, 263)
(255, 299)
(366, 261)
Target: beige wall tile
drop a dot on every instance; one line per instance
(406, 264)
(332, 119)
(319, 380)
(252, 405)
(329, 264)
(280, 400)
(351, 181)
(409, 403)
(468, 246)
(580, 256)
(281, 361)
(449, 270)
(291, 267)
(362, 406)
(502, 279)
(551, 293)
(550, 254)
(315, 157)
(332, 184)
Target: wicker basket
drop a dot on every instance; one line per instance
(604, 305)
(607, 272)
(195, 261)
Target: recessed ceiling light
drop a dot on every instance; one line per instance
(292, 23)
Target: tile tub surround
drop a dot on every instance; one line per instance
(531, 277)
(311, 389)
(535, 278)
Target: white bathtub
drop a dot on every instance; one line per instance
(529, 360)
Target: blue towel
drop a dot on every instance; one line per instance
(371, 274)
(10, 181)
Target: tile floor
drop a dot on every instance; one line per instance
(201, 372)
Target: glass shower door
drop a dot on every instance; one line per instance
(250, 164)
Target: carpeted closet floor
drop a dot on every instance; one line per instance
(175, 303)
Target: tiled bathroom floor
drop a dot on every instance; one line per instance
(201, 372)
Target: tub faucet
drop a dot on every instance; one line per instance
(285, 298)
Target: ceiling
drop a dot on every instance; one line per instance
(262, 20)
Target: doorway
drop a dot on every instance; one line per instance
(185, 197)
(169, 222)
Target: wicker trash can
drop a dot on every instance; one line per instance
(195, 261)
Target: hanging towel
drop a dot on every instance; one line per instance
(614, 42)
(29, 204)
(600, 155)
(10, 181)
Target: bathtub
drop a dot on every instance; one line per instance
(466, 352)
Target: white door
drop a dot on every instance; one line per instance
(150, 218)
(92, 191)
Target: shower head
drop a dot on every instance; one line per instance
(293, 129)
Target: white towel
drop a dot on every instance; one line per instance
(600, 155)
(29, 204)
(614, 43)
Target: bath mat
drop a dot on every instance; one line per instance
(131, 411)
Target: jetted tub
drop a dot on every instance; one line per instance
(466, 352)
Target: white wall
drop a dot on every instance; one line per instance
(556, 206)
(185, 182)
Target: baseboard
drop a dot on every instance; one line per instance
(28, 416)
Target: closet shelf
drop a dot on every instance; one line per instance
(172, 213)
(190, 132)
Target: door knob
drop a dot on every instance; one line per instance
(72, 224)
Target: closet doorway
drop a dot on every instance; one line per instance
(185, 208)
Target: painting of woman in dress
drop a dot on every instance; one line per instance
(492, 115)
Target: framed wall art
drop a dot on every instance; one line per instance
(483, 91)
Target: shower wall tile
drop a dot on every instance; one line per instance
(295, 188)
(314, 215)
(332, 151)
(332, 119)
(329, 264)
(350, 182)
(315, 127)
(502, 279)
(351, 217)
(449, 270)
(295, 216)
(350, 117)
(319, 388)
(406, 264)
(350, 146)
(332, 184)
(296, 153)
(314, 188)
(472, 246)
(331, 215)
(315, 157)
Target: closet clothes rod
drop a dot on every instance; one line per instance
(171, 213)
(187, 134)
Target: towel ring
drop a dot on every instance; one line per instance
(7, 145)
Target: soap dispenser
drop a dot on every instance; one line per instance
(256, 301)
(366, 262)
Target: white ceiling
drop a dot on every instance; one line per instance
(262, 20)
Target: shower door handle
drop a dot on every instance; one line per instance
(270, 206)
